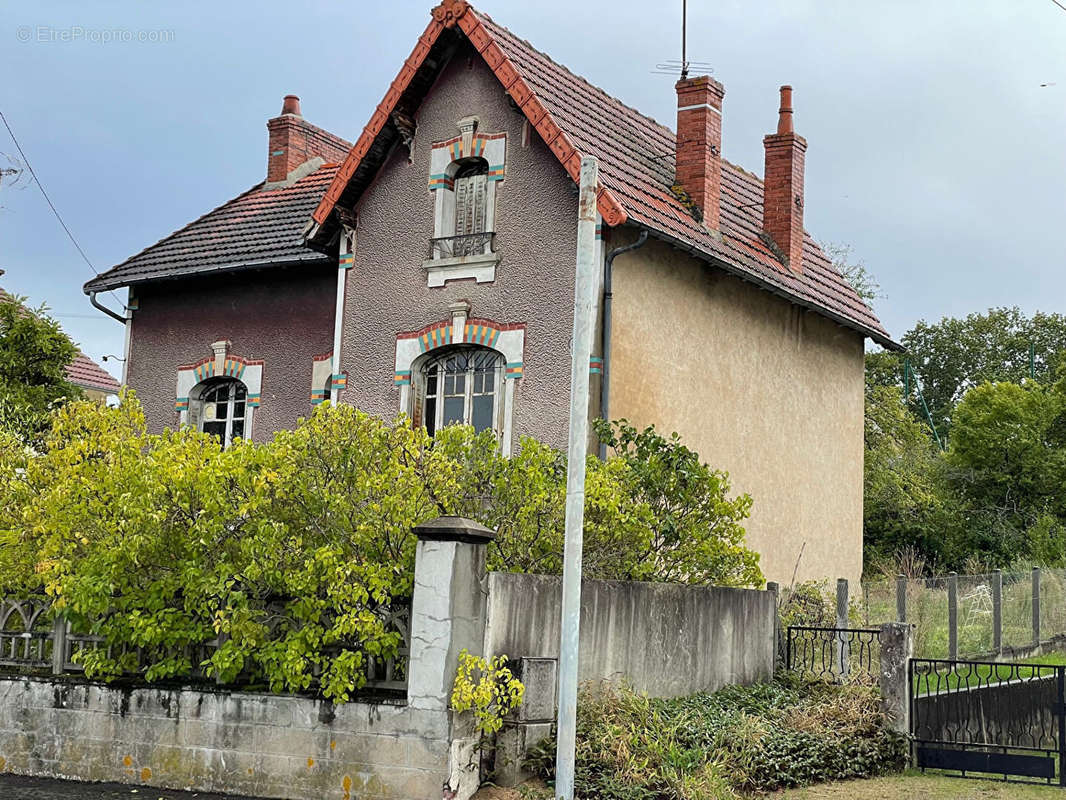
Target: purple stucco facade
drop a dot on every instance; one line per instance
(282, 316)
(536, 213)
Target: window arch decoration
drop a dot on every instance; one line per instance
(463, 174)
(222, 364)
(415, 348)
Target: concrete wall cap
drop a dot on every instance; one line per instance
(454, 529)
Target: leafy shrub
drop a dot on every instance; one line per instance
(293, 552)
(740, 739)
(486, 687)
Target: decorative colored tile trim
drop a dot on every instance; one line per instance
(596, 365)
(514, 370)
(485, 335)
(496, 173)
(437, 337)
(599, 231)
(346, 261)
(440, 181)
(205, 370)
(339, 381)
(181, 404)
(457, 150)
(278, 153)
(317, 396)
(233, 368)
(403, 378)
(253, 400)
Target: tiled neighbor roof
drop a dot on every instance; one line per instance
(636, 160)
(86, 373)
(255, 229)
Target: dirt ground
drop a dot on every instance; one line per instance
(910, 786)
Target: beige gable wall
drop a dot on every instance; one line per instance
(759, 387)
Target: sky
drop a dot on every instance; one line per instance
(935, 149)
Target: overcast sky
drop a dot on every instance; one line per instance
(934, 151)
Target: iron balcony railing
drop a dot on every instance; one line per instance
(469, 244)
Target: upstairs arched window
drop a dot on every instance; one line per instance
(221, 410)
(462, 386)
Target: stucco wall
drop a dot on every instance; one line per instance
(282, 316)
(536, 214)
(664, 639)
(261, 745)
(757, 386)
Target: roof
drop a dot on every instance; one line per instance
(636, 161)
(87, 374)
(83, 371)
(256, 228)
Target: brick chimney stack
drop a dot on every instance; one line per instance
(294, 141)
(782, 212)
(698, 165)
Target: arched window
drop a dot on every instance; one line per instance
(222, 409)
(462, 385)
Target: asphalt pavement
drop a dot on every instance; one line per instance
(16, 787)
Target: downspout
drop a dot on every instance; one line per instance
(345, 260)
(608, 294)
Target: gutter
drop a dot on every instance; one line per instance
(608, 296)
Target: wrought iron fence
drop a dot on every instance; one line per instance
(469, 244)
(833, 654)
(989, 717)
(33, 640)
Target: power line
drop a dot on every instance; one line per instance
(1060, 5)
(48, 199)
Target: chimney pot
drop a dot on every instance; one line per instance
(784, 118)
(783, 186)
(698, 157)
(291, 105)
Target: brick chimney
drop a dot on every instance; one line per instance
(782, 211)
(698, 165)
(294, 142)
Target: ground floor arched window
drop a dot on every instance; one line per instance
(221, 409)
(462, 385)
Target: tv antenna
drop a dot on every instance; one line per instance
(673, 67)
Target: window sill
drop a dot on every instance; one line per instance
(482, 268)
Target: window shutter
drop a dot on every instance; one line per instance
(470, 195)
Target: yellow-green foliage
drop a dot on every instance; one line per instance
(487, 688)
(293, 551)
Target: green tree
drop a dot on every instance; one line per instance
(907, 500)
(954, 355)
(34, 355)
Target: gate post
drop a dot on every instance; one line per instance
(953, 616)
(775, 589)
(842, 624)
(1036, 606)
(897, 648)
(901, 598)
(997, 611)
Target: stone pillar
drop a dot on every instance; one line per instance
(448, 611)
(897, 648)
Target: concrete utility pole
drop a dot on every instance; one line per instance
(581, 352)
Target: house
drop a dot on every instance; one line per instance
(429, 267)
(97, 383)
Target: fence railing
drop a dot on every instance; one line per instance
(995, 614)
(832, 654)
(33, 640)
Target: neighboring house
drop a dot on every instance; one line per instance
(429, 269)
(97, 383)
